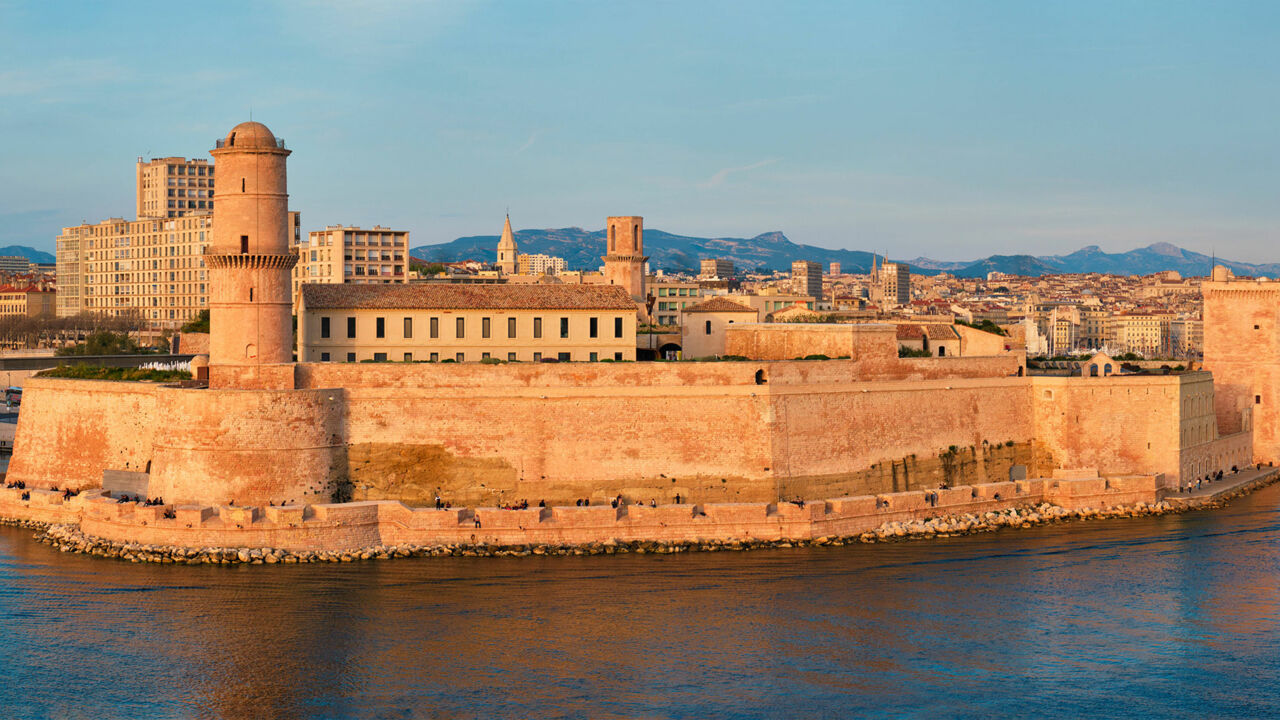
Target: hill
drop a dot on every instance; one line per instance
(582, 249)
(30, 253)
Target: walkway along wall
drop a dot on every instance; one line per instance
(358, 525)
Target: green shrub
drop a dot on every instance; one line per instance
(906, 352)
(816, 356)
(97, 372)
(105, 342)
(490, 361)
(200, 324)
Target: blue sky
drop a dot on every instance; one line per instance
(947, 129)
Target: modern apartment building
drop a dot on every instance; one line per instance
(153, 267)
(671, 298)
(539, 264)
(466, 323)
(806, 278)
(340, 254)
(716, 268)
(14, 264)
(895, 283)
(174, 187)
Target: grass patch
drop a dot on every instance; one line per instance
(95, 372)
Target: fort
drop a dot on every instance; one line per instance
(328, 455)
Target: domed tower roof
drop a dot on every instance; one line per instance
(251, 135)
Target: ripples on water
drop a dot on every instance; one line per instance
(1153, 617)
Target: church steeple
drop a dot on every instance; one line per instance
(507, 250)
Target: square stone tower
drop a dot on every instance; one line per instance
(625, 258)
(1242, 350)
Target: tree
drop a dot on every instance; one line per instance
(200, 324)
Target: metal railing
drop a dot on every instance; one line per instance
(222, 142)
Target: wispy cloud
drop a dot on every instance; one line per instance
(533, 137)
(721, 175)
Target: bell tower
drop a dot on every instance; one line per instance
(249, 260)
(624, 261)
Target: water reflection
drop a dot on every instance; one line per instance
(1157, 616)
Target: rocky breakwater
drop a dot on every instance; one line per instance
(1021, 517)
(69, 538)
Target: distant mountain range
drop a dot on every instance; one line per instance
(30, 253)
(582, 250)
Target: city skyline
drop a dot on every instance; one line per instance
(932, 130)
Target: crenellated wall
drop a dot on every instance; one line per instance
(357, 525)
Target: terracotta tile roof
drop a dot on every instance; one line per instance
(719, 304)
(933, 331)
(399, 296)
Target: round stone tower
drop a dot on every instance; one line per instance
(624, 261)
(249, 261)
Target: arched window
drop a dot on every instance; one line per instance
(1106, 369)
(1093, 370)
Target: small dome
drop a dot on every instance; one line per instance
(199, 361)
(249, 135)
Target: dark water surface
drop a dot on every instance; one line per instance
(1171, 616)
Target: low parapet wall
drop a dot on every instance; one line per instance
(350, 526)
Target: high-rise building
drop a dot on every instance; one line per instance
(153, 268)
(713, 268)
(895, 283)
(508, 253)
(174, 187)
(341, 254)
(806, 277)
(835, 269)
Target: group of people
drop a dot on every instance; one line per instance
(1207, 479)
(17, 485)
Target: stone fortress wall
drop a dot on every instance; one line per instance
(356, 525)
(483, 435)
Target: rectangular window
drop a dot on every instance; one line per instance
(351, 357)
(511, 357)
(484, 356)
(380, 328)
(595, 327)
(351, 327)
(461, 328)
(708, 331)
(537, 357)
(408, 357)
(484, 327)
(537, 327)
(324, 327)
(563, 357)
(435, 327)
(511, 327)
(595, 357)
(461, 357)
(324, 357)
(435, 357)
(244, 244)
(617, 327)
(379, 357)
(564, 328)
(617, 356)
(408, 328)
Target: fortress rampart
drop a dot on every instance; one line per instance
(708, 432)
(356, 525)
